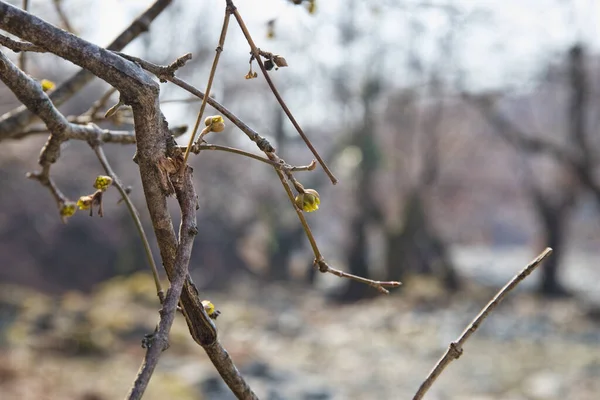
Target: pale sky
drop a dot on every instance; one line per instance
(501, 47)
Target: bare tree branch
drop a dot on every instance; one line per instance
(284, 172)
(13, 122)
(455, 349)
(580, 164)
(155, 147)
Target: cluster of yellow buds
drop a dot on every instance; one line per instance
(103, 182)
(85, 202)
(68, 209)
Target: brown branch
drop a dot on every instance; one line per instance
(455, 349)
(255, 51)
(379, 285)
(15, 121)
(154, 143)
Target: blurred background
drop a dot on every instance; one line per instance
(466, 139)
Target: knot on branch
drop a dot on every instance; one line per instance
(321, 265)
(264, 145)
(455, 350)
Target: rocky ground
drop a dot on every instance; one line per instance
(292, 343)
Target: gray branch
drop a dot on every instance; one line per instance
(15, 121)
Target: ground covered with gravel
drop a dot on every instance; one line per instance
(294, 343)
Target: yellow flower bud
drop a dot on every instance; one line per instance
(308, 201)
(102, 182)
(215, 122)
(210, 309)
(85, 202)
(68, 209)
(47, 85)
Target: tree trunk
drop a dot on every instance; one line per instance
(415, 248)
(553, 216)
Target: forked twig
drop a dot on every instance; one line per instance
(379, 285)
(455, 349)
(255, 51)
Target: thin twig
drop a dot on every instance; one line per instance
(99, 104)
(213, 70)
(263, 144)
(46, 181)
(96, 146)
(309, 167)
(256, 53)
(379, 285)
(196, 148)
(188, 100)
(319, 260)
(455, 349)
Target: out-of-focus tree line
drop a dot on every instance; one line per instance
(426, 161)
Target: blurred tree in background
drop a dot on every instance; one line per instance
(387, 91)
